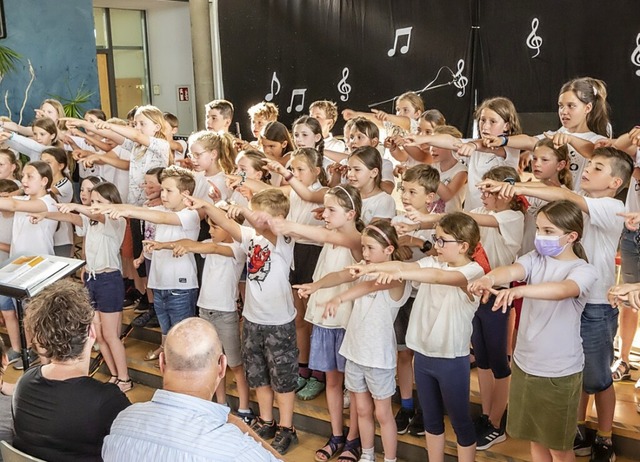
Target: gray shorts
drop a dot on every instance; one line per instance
(270, 356)
(228, 327)
(381, 383)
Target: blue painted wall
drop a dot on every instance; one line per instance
(57, 37)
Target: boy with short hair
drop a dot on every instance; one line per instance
(178, 147)
(269, 352)
(261, 114)
(606, 173)
(219, 115)
(326, 112)
(418, 193)
(173, 280)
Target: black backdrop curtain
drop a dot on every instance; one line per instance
(293, 52)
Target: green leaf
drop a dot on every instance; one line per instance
(8, 60)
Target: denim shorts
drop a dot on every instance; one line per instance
(630, 253)
(174, 305)
(325, 344)
(106, 291)
(228, 327)
(381, 383)
(598, 326)
(7, 303)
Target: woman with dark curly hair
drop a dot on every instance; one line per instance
(60, 413)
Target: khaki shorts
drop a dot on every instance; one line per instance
(228, 327)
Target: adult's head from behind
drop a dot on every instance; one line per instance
(192, 362)
(59, 318)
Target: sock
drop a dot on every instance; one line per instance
(390, 460)
(318, 375)
(368, 452)
(244, 411)
(582, 423)
(303, 370)
(268, 423)
(407, 403)
(604, 435)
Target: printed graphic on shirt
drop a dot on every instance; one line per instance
(259, 262)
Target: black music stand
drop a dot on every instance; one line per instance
(17, 283)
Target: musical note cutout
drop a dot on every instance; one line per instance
(403, 32)
(635, 56)
(297, 92)
(459, 80)
(343, 87)
(274, 81)
(534, 41)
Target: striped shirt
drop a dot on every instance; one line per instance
(181, 428)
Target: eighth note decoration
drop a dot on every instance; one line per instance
(534, 41)
(402, 32)
(635, 55)
(274, 81)
(343, 87)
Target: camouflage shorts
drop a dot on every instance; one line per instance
(270, 356)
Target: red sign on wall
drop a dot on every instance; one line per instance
(183, 93)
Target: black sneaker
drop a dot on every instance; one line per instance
(247, 417)
(480, 423)
(416, 428)
(602, 450)
(143, 319)
(490, 436)
(284, 439)
(403, 419)
(581, 443)
(264, 430)
(153, 322)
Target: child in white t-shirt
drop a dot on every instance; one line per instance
(269, 351)
(606, 173)
(174, 281)
(440, 329)
(369, 344)
(7, 307)
(548, 359)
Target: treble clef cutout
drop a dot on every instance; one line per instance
(635, 56)
(534, 41)
(459, 80)
(274, 81)
(343, 87)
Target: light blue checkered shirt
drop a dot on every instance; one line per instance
(179, 428)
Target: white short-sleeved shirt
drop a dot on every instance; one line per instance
(382, 205)
(168, 272)
(502, 244)
(33, 239)
(455, 203)
(440, 324)
(268, 297)
(117, 176)
(549, 342)
(300, 211)
(370, 339)
(201, 190)
(576, 161)
(142, 159)
(102, 243)
(6, 228)
(220, 278)
(64, 233)
(480, 163)
(602, 228)
(632, 203)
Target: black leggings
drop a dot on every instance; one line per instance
(489, 339)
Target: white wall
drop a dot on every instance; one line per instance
(170, 60)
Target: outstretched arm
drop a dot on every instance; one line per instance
(217, 215)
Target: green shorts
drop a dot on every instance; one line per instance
(544, 409)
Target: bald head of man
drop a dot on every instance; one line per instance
(192, 362)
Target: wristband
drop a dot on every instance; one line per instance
(243, 177)
(505, 140)
(427, 246)
(511, 181)
(288, 177)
